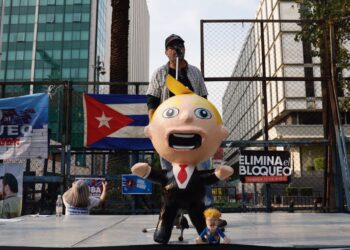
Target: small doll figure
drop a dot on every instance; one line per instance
(212, 233)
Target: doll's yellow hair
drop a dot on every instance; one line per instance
(178, 88)
(212, 213)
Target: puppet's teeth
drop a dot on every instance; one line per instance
(184, 135)
(183, 147)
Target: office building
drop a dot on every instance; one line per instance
(66, 40)
(294, 107)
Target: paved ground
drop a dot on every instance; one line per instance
(258, 229)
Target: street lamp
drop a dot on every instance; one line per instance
(99, 70)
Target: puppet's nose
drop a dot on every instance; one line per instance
(186, 116)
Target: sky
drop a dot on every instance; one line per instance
(182, 17)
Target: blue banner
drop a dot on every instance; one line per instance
(132, 184)
(24, 126)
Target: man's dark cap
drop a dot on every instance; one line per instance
(174, 39)
(10, 179)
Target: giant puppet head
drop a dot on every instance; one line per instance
(186, 128)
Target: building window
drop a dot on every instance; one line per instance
(26, 74)
(14, 19)
(38, 73)
(41, 36)
(51, 2)
(75, 54)
(68, 35)
(85, 17)
(28, 55)
(50, 18)
(20, 37)
(20, 55)
(66, 73)
(57, 36)
(84, 35)
(66, 54)
(76, 17)
(22, 19)
(10, 74)
(11, 55)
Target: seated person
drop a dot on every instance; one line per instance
(12, 204)
(78, 201)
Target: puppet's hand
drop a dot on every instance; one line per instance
(223, 171)
(199, 240)
(227, 240)
(141, 169)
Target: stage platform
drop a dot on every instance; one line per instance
(297, 230)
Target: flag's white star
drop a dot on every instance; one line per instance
(104, 120)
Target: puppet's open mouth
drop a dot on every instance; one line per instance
(182, 141)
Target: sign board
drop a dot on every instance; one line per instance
(23, 127)
(95, 185)
(264, 166)
(15, 170)
(132, 184)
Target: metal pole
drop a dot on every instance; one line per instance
(342, 172)
(3, 87)
(264, 100)
(97, 75)
(177, 67)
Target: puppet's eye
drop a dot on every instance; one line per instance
(202, 113)
(170, 112)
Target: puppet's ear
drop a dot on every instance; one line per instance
(146, 130)
(224, 132)
(176, 87)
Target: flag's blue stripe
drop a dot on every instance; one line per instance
(139, 120)
(120, 99)
(123, 143)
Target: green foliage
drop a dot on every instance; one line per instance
(319, 163)
(306, 191)
(316, 18)
(310, 168)
(291, 191)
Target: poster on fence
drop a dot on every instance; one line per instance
(24, 127)
(116, 122)
(11, 187)
(133, 184)
(94, 184)
(264, 166)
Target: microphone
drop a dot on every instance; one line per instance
(177, 50)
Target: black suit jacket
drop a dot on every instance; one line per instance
(192, 195)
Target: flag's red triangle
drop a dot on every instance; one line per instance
(101, 120)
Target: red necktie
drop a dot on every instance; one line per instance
(182, 175)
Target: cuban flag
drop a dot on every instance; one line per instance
(116, 122)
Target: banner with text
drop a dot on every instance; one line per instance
(265, 166)
(23, 127)
(94, 184)
(133, 184)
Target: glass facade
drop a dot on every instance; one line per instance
(49, 40)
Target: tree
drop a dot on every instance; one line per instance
(318, 18)
(119, 162)
(322, 13)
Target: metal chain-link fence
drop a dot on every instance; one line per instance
(268, 87)
(270, 91)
